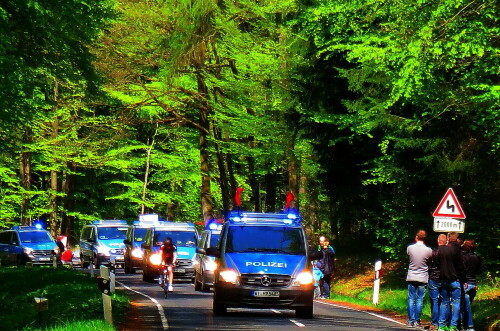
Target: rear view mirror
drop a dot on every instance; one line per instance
(127, 242)
(201, 251)
(212, 251)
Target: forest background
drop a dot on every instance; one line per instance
(366, 110)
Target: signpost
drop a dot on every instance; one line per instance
(448, 225)
(448, 214)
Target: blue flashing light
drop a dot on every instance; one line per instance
(214, 224)
(39, 224)
(110, 222)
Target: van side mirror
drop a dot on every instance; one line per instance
(91, 240)
(212, 251)
(201, 251)
(127, 242)
(145, 246)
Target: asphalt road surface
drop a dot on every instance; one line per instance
(186, 309)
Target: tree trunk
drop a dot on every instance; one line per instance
(230, 170)
(25, 169)
(223, 176)
(270, 179)
(54, 222)
(206, 194)
(254, 184)
(146, 172)
(68, 187)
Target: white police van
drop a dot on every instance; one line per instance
(263, 262)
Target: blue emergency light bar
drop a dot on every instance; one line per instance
(169, 224)
(110, 222)
(214, 224)
(26, 228)
(290, 217)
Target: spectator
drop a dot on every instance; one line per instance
(327, 266)
(451, 270)
(434, 284)
(417, 277)
(472, 264)
(318, 275)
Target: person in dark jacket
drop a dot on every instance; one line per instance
(434, 284)
(452, 274)
(472, 264)
(327, 266)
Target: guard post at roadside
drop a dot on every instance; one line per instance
(376, 281)
(103, 283)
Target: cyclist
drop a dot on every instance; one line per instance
(168, 258)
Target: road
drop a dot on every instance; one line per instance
(186, 309)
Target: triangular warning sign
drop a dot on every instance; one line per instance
(449, 206)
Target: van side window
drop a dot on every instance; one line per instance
(5, 238)
(14, 238)
(203, 240)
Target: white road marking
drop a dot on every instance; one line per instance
(163, 317)
(300, 325)
(367, 312)
(275, 311)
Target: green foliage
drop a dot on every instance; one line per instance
(73, 296)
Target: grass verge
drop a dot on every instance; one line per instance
(353, 283)
(74, 301)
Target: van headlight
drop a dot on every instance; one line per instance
(155, 259)
(304, 278)
(103, 250)
(229, 276)
(210, 265)
(137, 252)
(28, 250)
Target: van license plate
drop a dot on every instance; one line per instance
(181, 271)
(266, 294)
(44, 259)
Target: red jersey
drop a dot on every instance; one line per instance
(167, 254)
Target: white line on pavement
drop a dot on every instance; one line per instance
(163, 317)
(373, 314)
(300, 325)
(275, 311)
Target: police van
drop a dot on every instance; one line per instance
(23, 244)
(263, 262)
(184, 236)
(204, 265)
(102, 242)
(136, 235)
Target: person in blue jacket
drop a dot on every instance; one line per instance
(318, 275)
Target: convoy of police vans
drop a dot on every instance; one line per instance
(251, 260)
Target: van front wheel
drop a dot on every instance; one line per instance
(305, 312)
(218, 308)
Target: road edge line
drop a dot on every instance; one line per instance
(163, 317)
(363, 311)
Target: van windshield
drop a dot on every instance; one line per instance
(111, 233)
(214, 239)
(35, 237)
(139, 234)
(179, 238)
(265, 239)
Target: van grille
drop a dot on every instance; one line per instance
(256, 280)
(186, 263)
(42, 252)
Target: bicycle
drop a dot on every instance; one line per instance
(163, 280)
